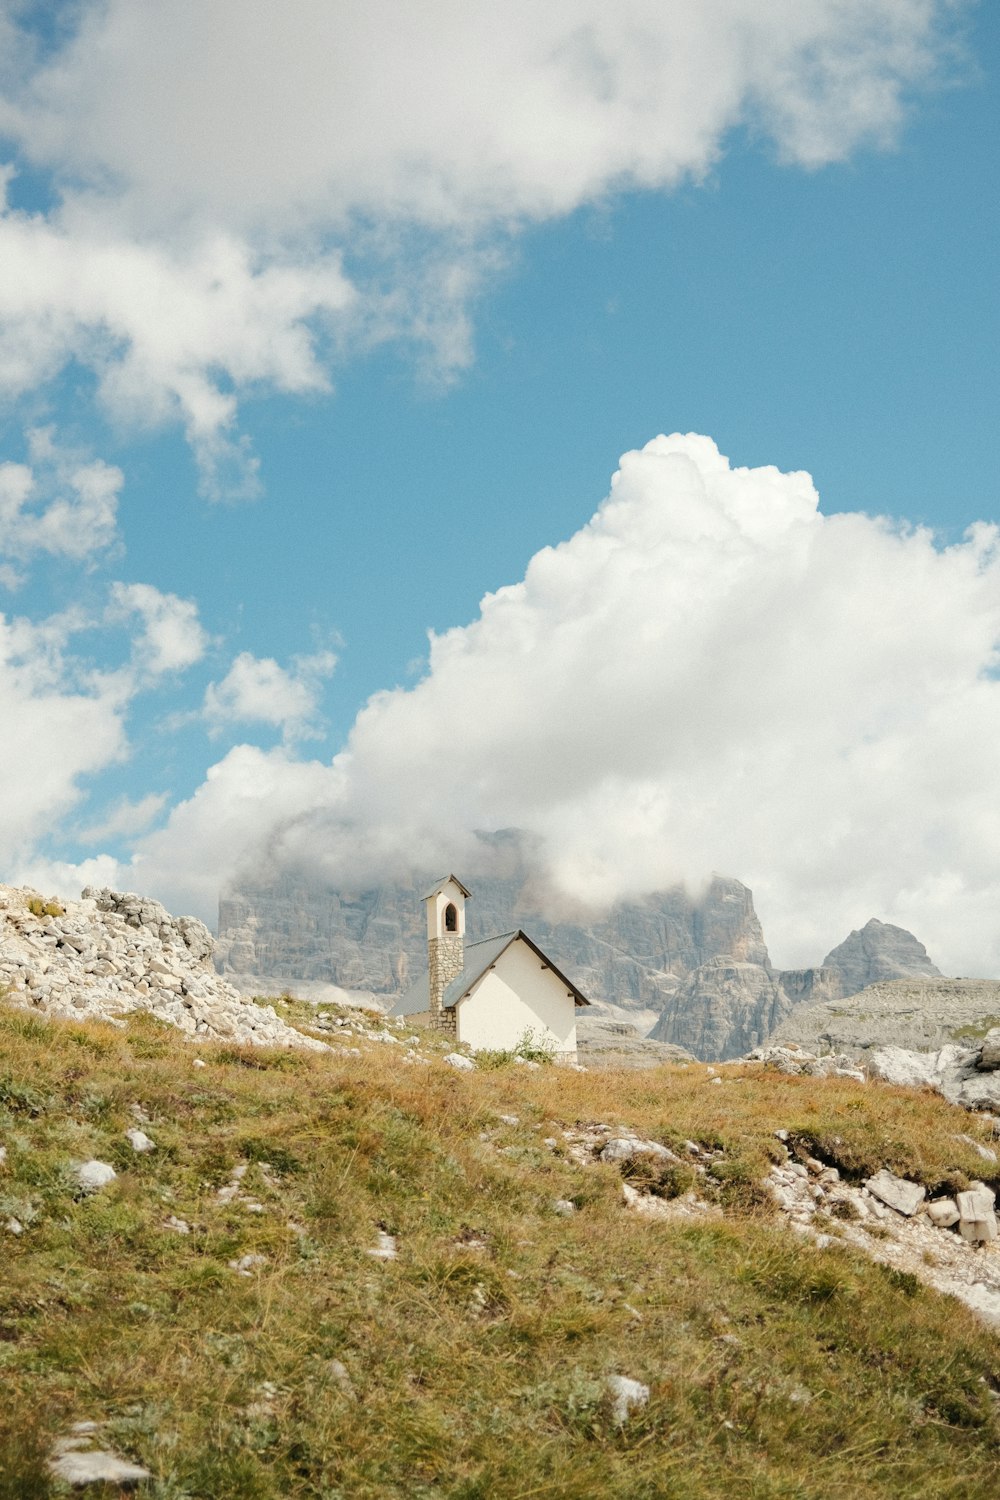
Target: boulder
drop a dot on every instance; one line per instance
(896, 1192)
(943, 1213)
(989, 1055)
(625, 1148)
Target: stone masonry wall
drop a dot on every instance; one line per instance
(446, 959)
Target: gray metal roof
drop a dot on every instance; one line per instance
(443, 882)
(479, 957)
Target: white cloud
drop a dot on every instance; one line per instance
(454, 113)
(157, 323)
(709, 675)
(59, 726)
(258, 690)
(126, 817)
(171, 638)
(210, 162)
(234, 816)
(61, 503)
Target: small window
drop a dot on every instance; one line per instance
(450, 918)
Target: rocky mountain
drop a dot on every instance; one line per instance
(631, 957)
(692, 970)
(877, 952)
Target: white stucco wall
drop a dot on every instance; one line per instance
(515, 996)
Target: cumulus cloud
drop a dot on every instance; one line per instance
(59, 726)
(171, 636)
(157, 323)
(258, 690)
(211, 163)
(456, 112)
(709, 675)
(61, 503)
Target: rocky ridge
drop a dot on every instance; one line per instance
(924, 1014)
(691, 971)
(114, 952)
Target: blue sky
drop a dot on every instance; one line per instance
(437, 383)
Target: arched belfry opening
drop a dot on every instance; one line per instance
(451, 917)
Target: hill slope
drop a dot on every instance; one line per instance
(345, 1274)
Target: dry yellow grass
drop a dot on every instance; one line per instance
(477, 1359)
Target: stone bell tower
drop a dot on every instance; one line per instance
(445, 903)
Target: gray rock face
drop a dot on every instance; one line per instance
(632, 957)
(877, 952)
(920, 1015)
(723, 1009)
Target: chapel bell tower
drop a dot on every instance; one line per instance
(445, 903)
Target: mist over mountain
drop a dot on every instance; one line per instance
(691, 968)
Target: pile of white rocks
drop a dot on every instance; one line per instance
(794, 1060)
(950, 1243)
(113, 952)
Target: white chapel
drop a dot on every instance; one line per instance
(490, 993)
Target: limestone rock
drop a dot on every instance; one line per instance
(93, 1466)
(627, 1396)
(922, 1015)
(457, 1060)
(384, 1247)
(92, 1175)
(876, 952)
(723, 1008)
(943, 1213)
(905, 1197)
(114, 952)
(989, 1056)
(625, 1148)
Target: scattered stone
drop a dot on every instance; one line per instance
(626, 1396)
(794, 1060)
(624, 1148)
(92, 1175)
(985, 1152)
(564, 1207)
(247, 1264)
(977, 1202)
(340, 1375)
(3, 1155)
(140, 1141)
(456, 1060)
(179, 1226)
(509, 1119)
(77, 1465)
(384, 1248)
(14, 1226)
(977, 1219)
(199, 1063)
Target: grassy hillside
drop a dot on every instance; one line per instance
(475, 1363)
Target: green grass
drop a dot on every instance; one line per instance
(477, 1360)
